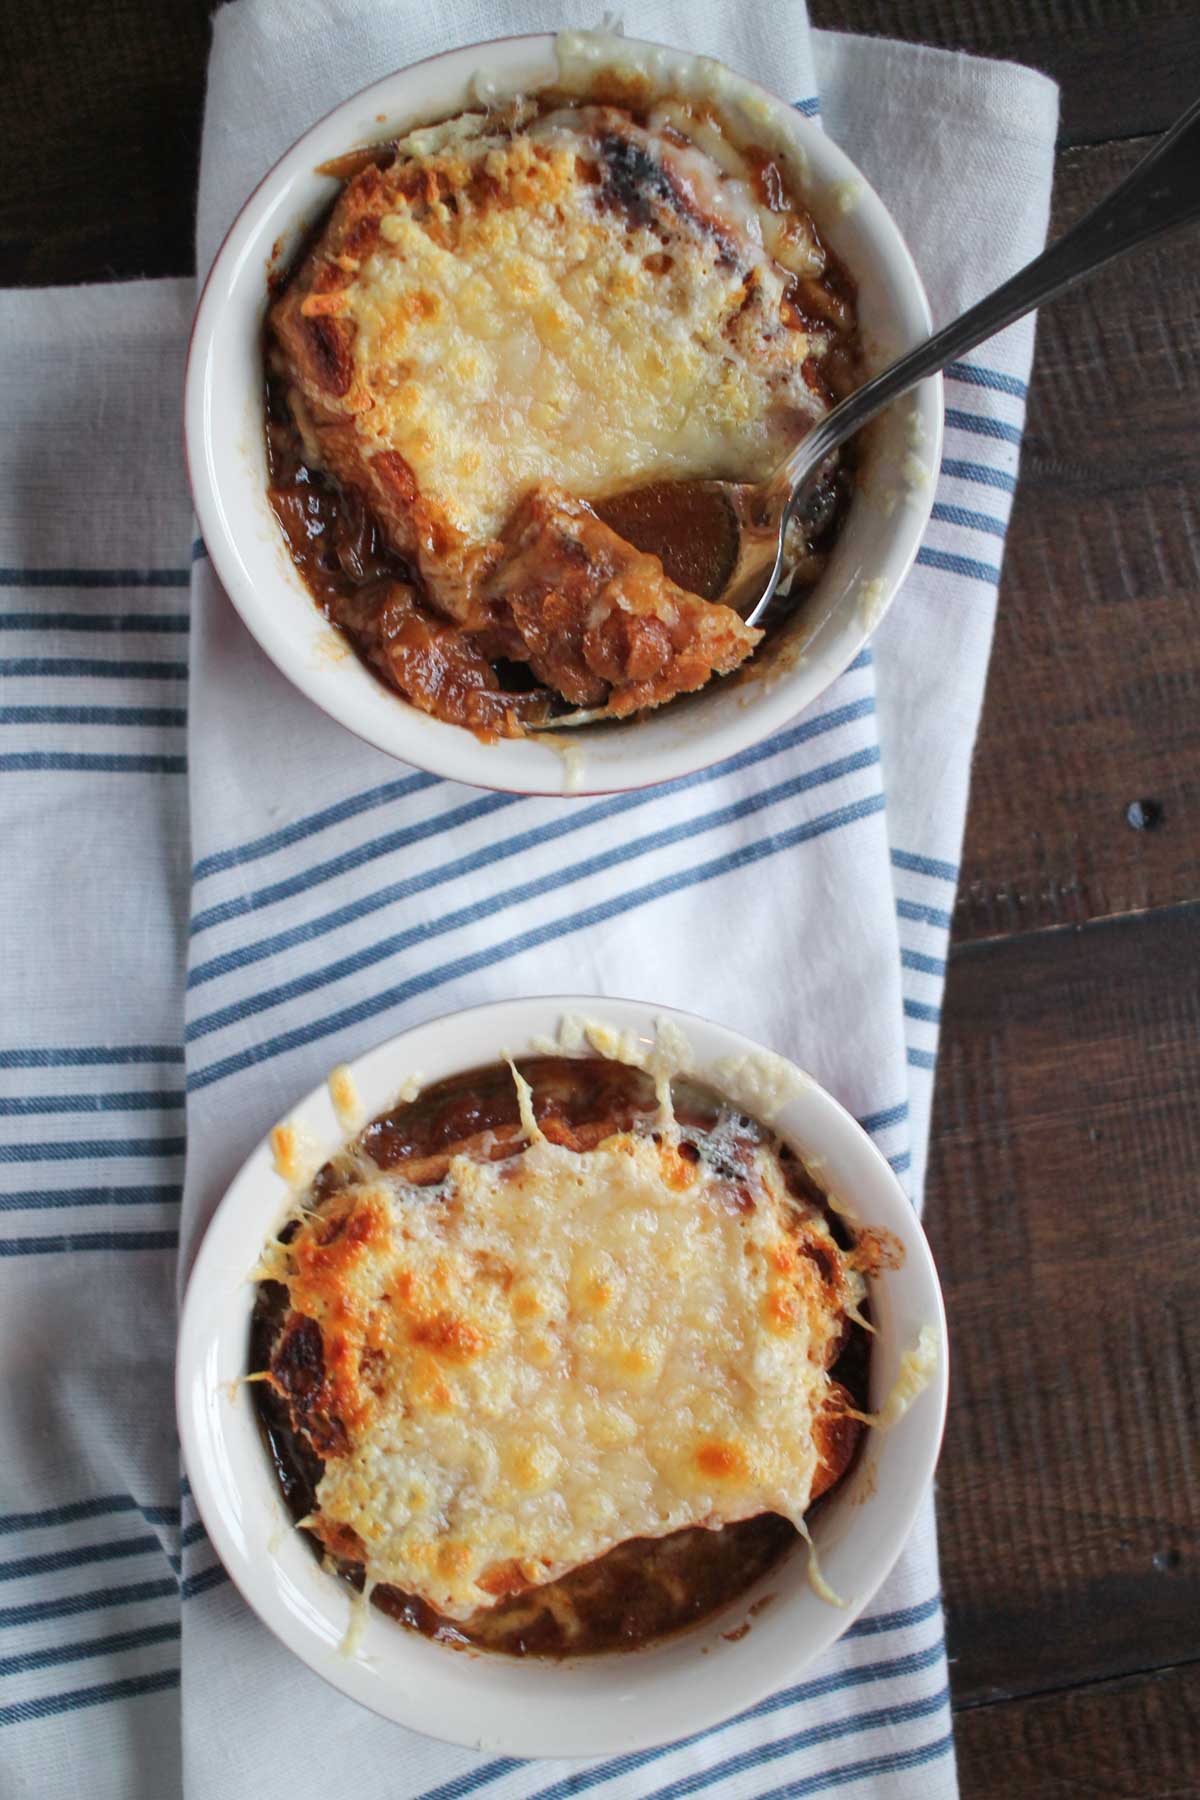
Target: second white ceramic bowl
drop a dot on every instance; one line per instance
(226, 456)
(593, 1706)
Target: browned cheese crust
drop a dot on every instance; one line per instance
(468, 313)
(325, 1386)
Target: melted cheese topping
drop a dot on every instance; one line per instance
(916, 1370)
(552, 1353)
(525, 324)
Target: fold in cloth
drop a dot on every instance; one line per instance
(337, 897)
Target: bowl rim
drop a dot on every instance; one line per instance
(639, 1699)
(401, 730)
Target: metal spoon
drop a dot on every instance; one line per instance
(747, 523)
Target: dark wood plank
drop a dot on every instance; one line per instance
(1094, 688)
(100, 126)
(1125, 66)
(1062, 1210)
(99, 138)
(1126, 1740)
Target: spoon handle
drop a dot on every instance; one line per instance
(1160, 194)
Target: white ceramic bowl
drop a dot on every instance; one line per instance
(592, 1706)
(224, 436)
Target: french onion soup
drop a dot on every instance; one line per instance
(507, 322)
(555, 1359)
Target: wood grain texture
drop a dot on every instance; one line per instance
(99, 138)
(100, 120)
(1093, 694)
(1125, 66)
(1123, 1740)
(1062, 1212)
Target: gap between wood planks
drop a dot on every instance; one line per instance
(1135, 1738)
(1081, 1685)
(1185, 910)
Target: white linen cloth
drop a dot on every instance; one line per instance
(337, 897)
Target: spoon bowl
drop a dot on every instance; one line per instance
(728, 536)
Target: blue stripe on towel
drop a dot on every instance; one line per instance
(166, 716)
(30, 762)
(76, 621)
(50, 1199)
(582, 1779)
(141, 1100)
(881, 1718)
(194, 1585)
(76, 1510)
(21, 1711)
(967, 520)
(89, 1056)
(923, 965)
(88, 1647)
(94, 578)
(320, 821)
(979, 473)
(982, 425)
(974, 375)
(265, 999)
(93, 667)
(370, 1007)
(879, 1121)
(89, 1240)
(873, 1624)
(68, 1606)
(924, 915)
(91, 1150)
(925, 865)
(952, 564)
(46, 1561)
(578, 819)
(403, 838)
(887, 1764)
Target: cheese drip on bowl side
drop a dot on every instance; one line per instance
(522, 312)
(559, 1347)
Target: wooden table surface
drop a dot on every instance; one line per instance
(1066, 1137)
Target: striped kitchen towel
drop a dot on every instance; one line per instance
(335, 897)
